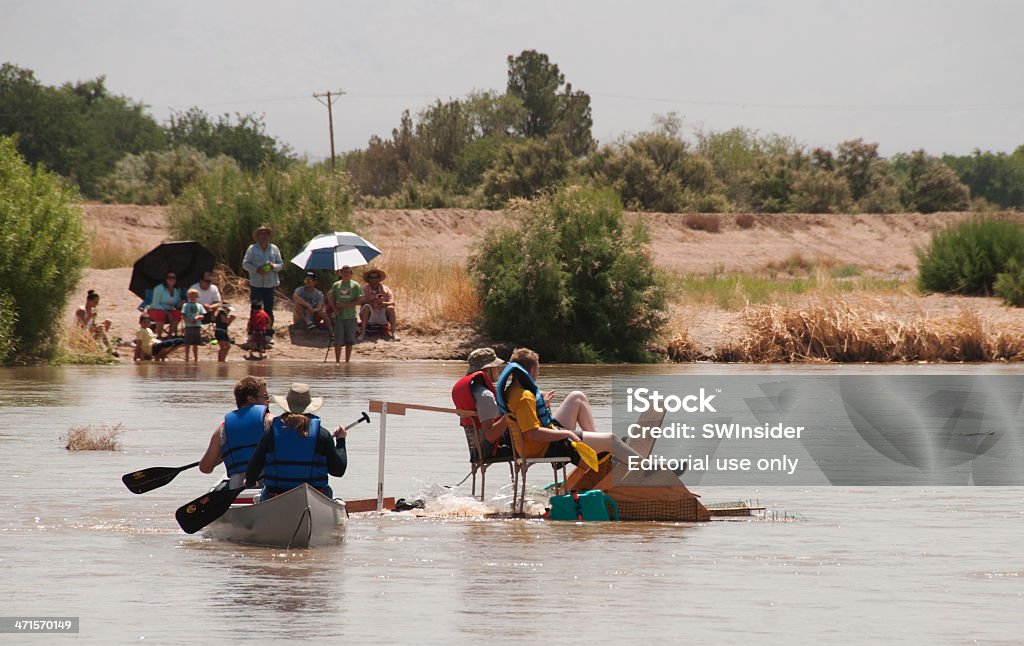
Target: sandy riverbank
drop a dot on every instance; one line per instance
(878, 245)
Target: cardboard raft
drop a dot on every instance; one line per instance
(661, 496)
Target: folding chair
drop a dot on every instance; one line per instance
(479, 461)
(522, 464)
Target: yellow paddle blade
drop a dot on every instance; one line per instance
(587, 454)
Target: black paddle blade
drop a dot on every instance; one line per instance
(152, 478)
(195, 515)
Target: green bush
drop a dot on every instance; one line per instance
(523, 169)
(42, 254)
(222, 209)
(967, 257)
(570, 279)
(158, 177)
(8, 319)
(1009, 283)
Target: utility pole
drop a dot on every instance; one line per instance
(331, 98)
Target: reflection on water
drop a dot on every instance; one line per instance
(867, 564)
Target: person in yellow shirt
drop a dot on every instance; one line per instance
(547, 434)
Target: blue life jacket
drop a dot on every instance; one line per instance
(514, 371)
(242, 431)
(294, 459)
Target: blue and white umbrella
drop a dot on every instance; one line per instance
(335, 250)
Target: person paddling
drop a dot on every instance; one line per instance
(235, 440)
(298, 449)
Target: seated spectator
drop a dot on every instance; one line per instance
(209, 296)
(310, 305)
(165, 308)
(259, 325)
(85, 317)
(146, 345)
(378, 304)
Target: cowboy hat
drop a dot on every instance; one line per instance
(298, 400)
(262, 227)
(366, 274)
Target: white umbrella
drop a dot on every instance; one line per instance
(334, 250)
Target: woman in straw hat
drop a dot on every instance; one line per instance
(297, 449)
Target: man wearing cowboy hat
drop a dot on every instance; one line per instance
(378, 304)
(263, 261)
(297, 448)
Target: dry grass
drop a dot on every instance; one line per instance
(838, 332)
(95, 438)
(108, 251)
(430, 293)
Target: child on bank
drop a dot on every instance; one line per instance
(259, 325)
(146, 344)
(193, 313)
(222, 319)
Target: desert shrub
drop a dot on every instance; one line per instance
(745, 220)
(929, 185)
(704, 222)
(8, 317)
(966, 258)
(523, 169)
(42, 253)
(819, 191)
(222, 209)
(158, 177)
(571, 279)
(1009, 284)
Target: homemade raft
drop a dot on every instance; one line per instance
(639, 497)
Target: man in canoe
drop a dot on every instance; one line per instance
(297, 448)
(235, 440)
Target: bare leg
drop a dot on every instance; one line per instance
(575, 411)
(348, 353)
(337, 354)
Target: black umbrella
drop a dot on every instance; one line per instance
(188, 259)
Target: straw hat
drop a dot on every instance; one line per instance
(298, 400)
(369, 272)
(483, 358)
(261, 228)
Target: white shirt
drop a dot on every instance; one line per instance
(207, 296)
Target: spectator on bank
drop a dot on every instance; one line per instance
(263, 261)
(86, 317)
(209, 296)
(146, 345)
(165, 308)
(259, 324)
(378, 304)
(310, 305)
(343, 301)
(193, 313)
(221, 322)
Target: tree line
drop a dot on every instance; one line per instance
(492, 146)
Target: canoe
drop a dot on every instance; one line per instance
(300, 518)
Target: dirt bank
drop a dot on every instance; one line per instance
(882, 245)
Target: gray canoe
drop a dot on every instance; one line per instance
(300, 518)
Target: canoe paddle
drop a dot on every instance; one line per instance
(152, 478)
(198, 513)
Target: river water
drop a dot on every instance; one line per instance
(829, 565)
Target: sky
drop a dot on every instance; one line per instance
(943, 75)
